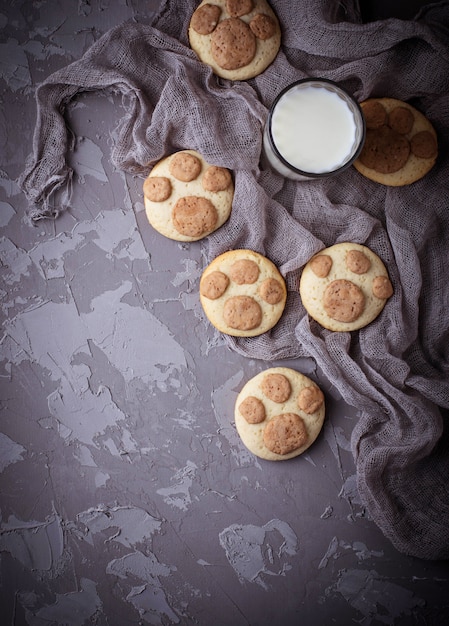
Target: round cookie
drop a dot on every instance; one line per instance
(242, 293)
(345, 287)
(185, 198)
(279, 413)
(239, 39)
(400, 146)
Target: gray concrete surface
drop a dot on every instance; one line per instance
(126, 494)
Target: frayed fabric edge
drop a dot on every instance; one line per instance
(42, 208)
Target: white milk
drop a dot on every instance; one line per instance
(314, 129)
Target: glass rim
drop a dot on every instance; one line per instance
(283, 160)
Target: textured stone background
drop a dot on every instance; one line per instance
(126, 495)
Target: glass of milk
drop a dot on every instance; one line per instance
(314, 129)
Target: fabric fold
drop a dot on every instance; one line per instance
(395, 371)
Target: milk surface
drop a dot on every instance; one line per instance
(313, 129)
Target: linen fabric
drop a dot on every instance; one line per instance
(395, 371)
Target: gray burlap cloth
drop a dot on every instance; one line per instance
(395, 371)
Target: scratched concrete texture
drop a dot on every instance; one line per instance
(126, 494)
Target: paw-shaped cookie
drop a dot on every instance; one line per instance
(186, 198)
(237, 38)
(279, 413)
(345, 287)
(242, 293)
(400, 146)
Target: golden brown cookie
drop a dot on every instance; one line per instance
(279, 413)
(237, 38)
(185, 198)
(352, 293)
(242, 293)
(400, 146)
